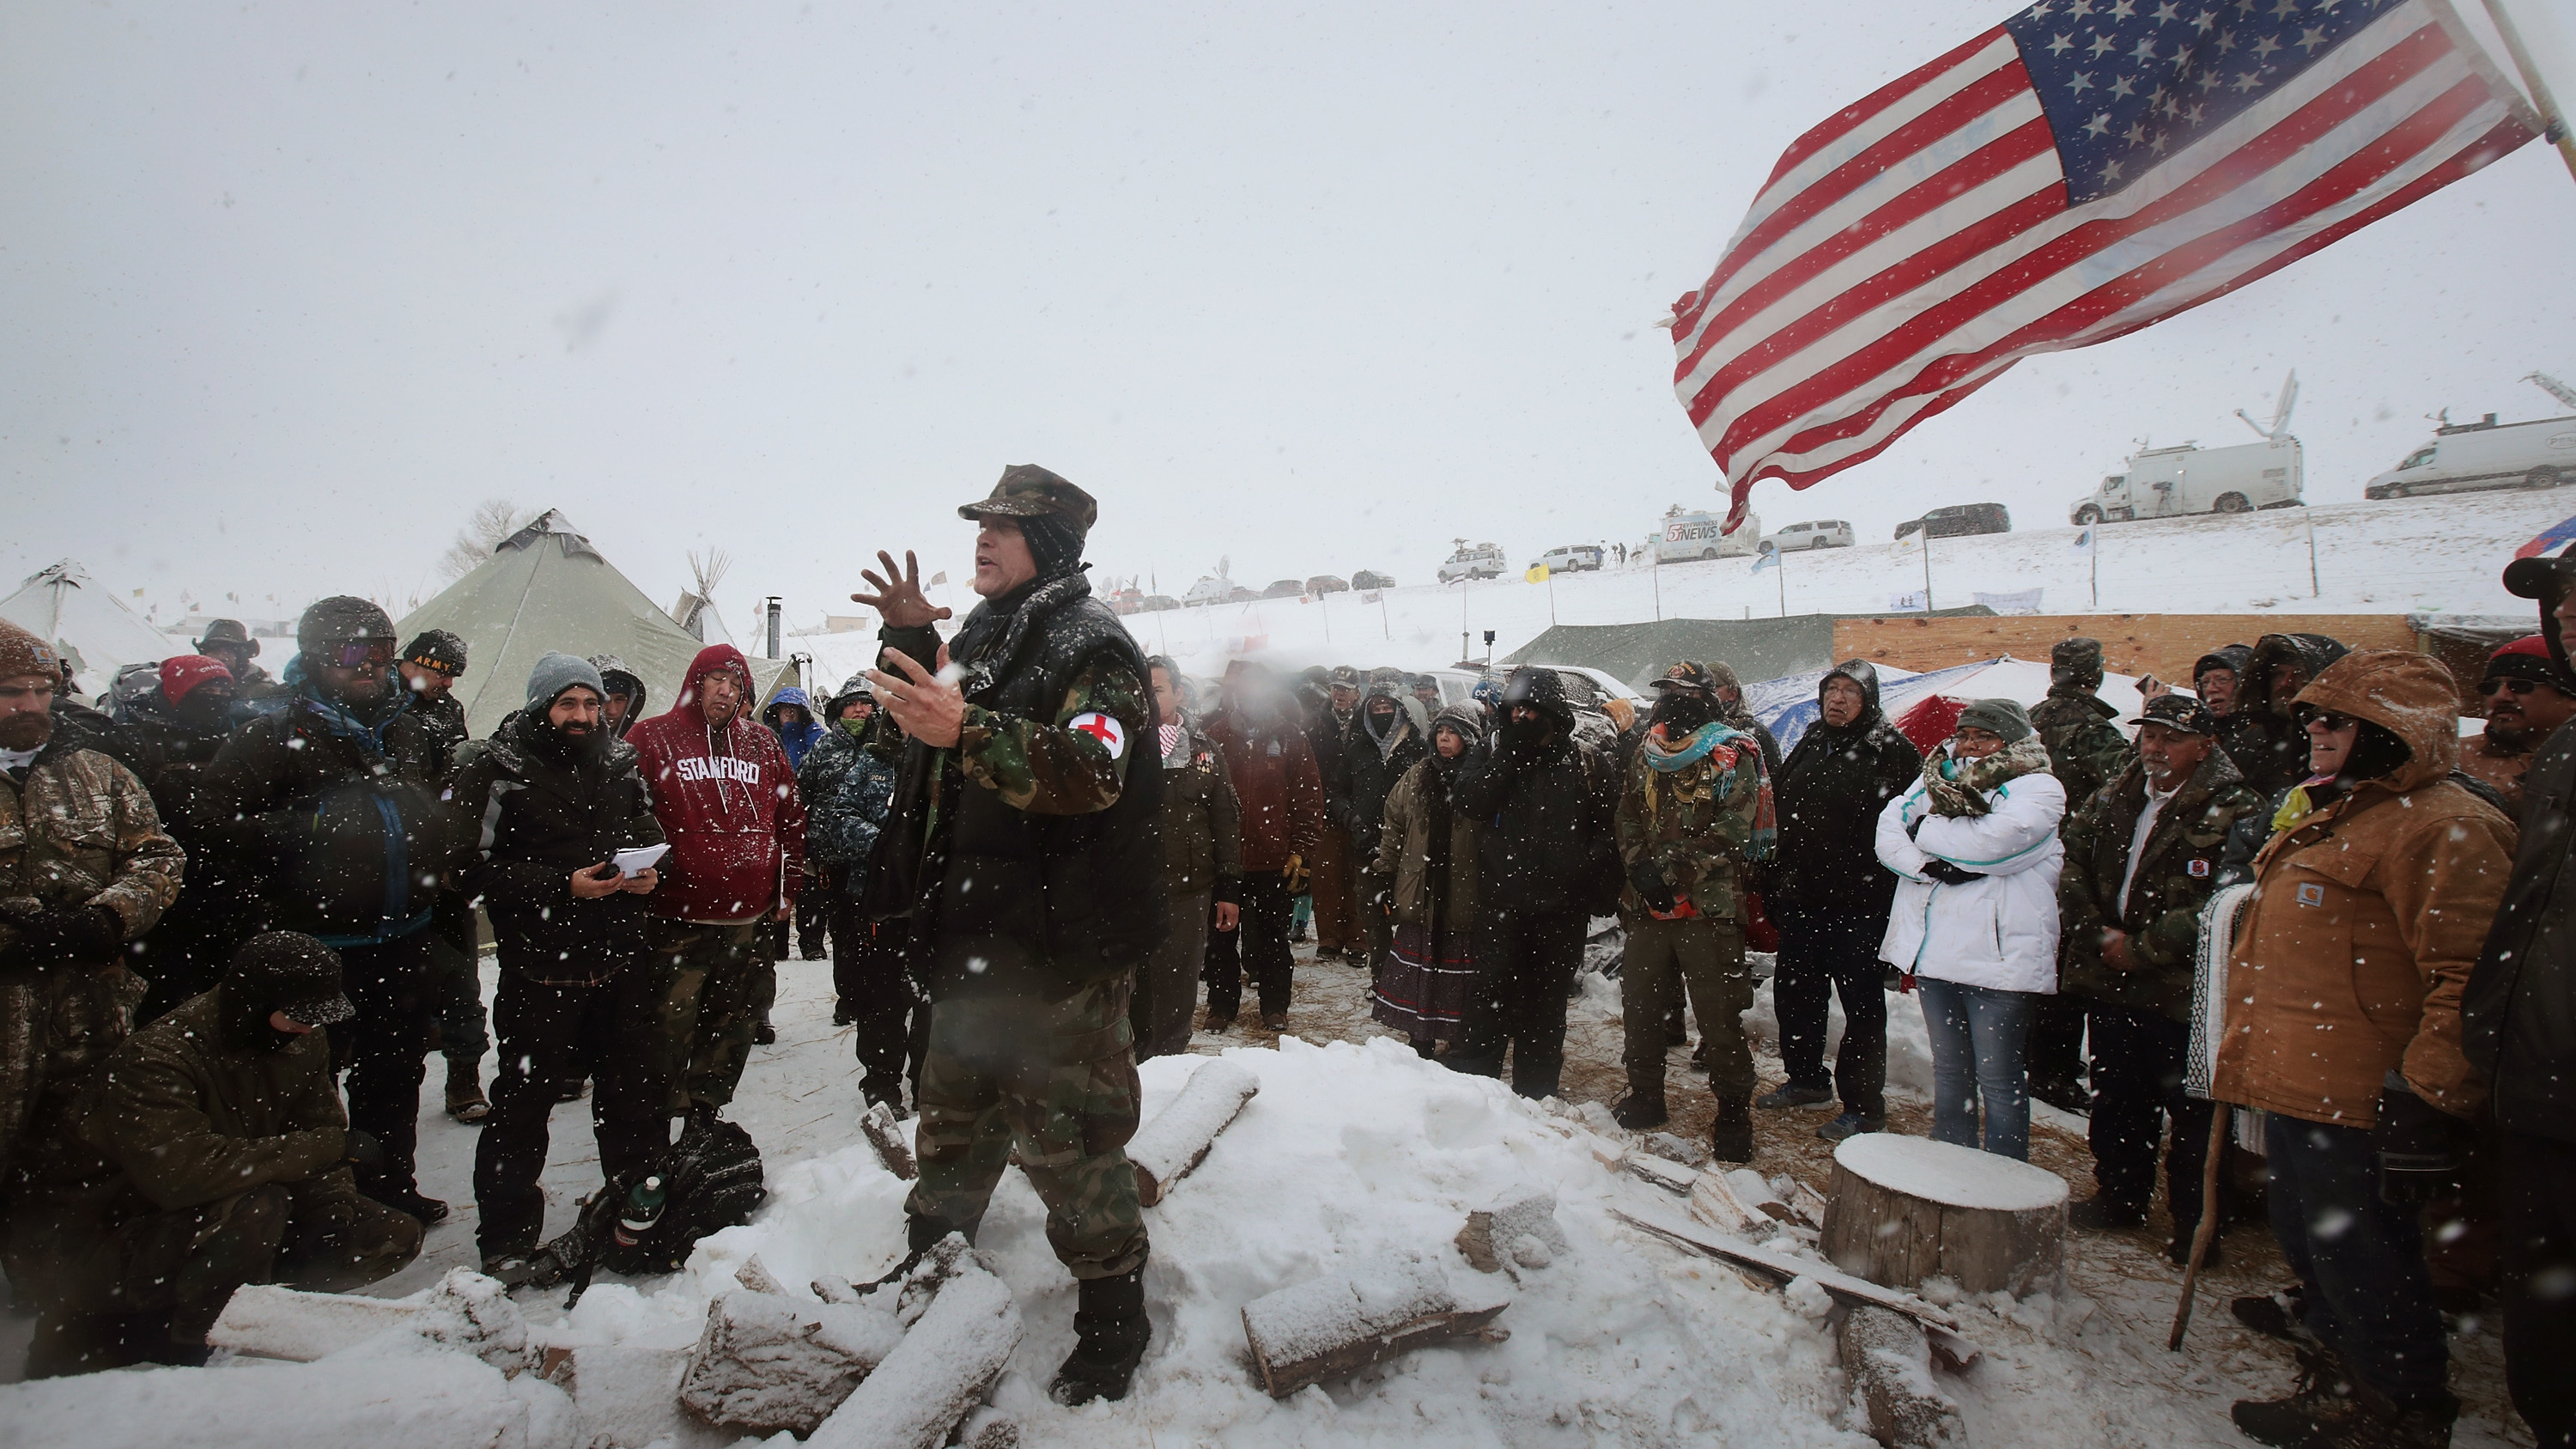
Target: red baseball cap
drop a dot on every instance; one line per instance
(182, 673)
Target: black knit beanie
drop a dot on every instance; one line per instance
(1053, 545)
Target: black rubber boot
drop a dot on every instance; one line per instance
(1110, 1332)
(1731, 1138)
(1642, 1107)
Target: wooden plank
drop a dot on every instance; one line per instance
(2164, 645)
(1781, 1265)
(1346, 1358)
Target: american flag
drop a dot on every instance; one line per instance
(2082, 170)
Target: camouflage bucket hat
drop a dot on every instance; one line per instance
(1029, 491)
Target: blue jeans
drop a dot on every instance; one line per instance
(1978, 1036)
(2370, 1297)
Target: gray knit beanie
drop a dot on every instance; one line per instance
(556, 673)
(1997, 716)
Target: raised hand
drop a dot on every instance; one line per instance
(929, 707)
(898, 595)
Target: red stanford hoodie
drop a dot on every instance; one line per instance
(727, 803)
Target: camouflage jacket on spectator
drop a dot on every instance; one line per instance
(79, 830)
(2085, 750)
(1693, 823)
(2176, 873)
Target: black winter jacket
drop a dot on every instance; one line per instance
(541, 812)
(1829, 795)
(1550, 847)
(1368, 771)
(2518, 1015)
(340, 816)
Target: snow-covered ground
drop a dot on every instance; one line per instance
(2387, 558)
(1353, 1146)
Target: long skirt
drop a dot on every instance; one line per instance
(1422, 993)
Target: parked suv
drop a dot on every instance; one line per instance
(1367, 579)
(1322, 584)
(1573, 558)
(1828, 533)
(1474, 561)
(1958, 520)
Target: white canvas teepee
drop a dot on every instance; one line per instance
(67, 608)
(545, 587)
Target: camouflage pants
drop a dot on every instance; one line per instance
(1704, 957)
(708, 980)
(1055, 1079)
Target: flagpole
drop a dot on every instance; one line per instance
(2553, 121)
(1780, 566)
(2316, 590)
(2093, 546)
(1927, 568)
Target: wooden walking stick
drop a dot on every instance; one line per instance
(2201, 1237)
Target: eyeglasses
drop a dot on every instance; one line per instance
(2512, 685)
(2326, 719)
(357, 653)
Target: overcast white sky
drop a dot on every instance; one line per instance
(288, 288)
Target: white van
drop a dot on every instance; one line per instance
(2468, 457)
(2171, 482)
(1474, 561)
(1688, 536)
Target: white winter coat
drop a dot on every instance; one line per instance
(1998, 932)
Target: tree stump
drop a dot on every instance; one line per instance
(1905, 1209)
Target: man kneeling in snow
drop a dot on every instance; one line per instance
(223, 1159)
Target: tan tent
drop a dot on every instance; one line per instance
(93, 628)
(545, 588)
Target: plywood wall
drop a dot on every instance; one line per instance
(2160, 644)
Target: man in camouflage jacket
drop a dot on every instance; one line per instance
(85, 868)
(1687, 814)
(1025, 831)
(2085, 752)
(2141, 860)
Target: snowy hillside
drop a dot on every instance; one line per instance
(2386, 558)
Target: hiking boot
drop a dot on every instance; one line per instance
(429, 1210)
(2425, 1425)
(2274, 1315)
(1790, 1094)
(811, 950)
(1110, 1332)
(571, 1088)
(2178, 1252)
(1852, 1124)
(1274, 1021)
(2099, 1214)
(764, 1035)
(465, 1101)
(2321, 1410)
(2064, 1093)
(1730, 1139)
(1216, 1020)
(1298, 936)
(1640, 1108)
(892, 1097)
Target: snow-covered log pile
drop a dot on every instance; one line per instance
(464, 1311)
(967, 1327)
(1165, 1149)
(1334, 1326)
(1890, 1366)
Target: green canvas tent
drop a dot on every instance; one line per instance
(543, 588)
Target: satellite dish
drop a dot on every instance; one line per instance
(2280, 413)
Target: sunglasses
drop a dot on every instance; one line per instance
(357, 653)
(2330, 721)
(2510, 685)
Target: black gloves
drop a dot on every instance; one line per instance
(1914, 827)
(361, 1150)
(2417, 1161)
(1948, 874)
(1649, 883)
(1517, 740)
(1381, 895)
(56, 934)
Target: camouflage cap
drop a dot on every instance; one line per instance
(1345, 677)
(1688, 674)
(2181, 712)
(1029, 491)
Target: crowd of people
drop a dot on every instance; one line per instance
(238, 913)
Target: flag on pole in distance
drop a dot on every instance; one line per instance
(1770, 559)
(2548, 538)
(2076, 173)
(2084, 541)
(940, 577)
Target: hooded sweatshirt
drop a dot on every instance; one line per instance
(728, 805)
(795, 739)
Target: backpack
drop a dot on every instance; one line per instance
(711, 1180)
